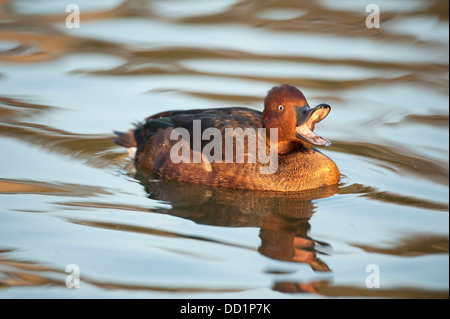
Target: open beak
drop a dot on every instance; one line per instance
(306, 119)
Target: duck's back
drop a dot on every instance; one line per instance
(220, 118)
(153, 142)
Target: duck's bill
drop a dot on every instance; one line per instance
(304, 132)
(306, 119)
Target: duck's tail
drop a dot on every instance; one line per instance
(126, 140)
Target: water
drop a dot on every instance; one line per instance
(68, 195)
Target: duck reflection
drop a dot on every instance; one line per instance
(283, 218)
(285, 238)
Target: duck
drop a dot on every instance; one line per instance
(237, 147)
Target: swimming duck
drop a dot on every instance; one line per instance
(283, 136)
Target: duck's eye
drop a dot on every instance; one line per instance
(280, 107)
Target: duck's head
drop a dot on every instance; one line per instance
(286, 109)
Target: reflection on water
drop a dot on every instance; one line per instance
(69, 195)
(283, 218)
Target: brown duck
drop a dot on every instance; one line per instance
(295, 164)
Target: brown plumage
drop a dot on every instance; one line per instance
(300, 166)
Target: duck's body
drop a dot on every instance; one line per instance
(298, 165)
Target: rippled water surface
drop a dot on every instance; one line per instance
(68, 194)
